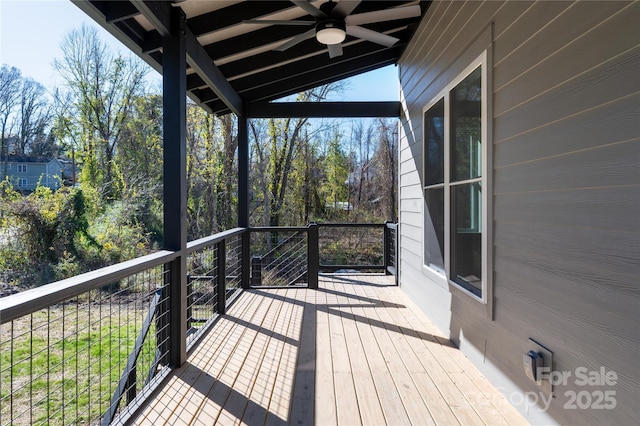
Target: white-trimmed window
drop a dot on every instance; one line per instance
(455, 174)
(22, 183)
(22, 168)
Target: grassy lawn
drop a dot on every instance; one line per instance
(63, 364)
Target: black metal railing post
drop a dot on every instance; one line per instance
(245, 260)
(313, 255)
(386, 249)
(256, 270)
(131, 384)
(221, 276)
(396, 260)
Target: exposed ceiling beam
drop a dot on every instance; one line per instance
(203, 65)
(295, 69)
(195, 82)
(310, 80)
(279, 33)
(158, 14)
(299, 53)
(246, 72)
(124, 33)
(133, 29)
(251, 40)
(152, 42)
(323, 109)
(116, 11)
(323, 76)
(234, 14)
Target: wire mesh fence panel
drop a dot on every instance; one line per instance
(202, 291)
(78, 361)
(279, 257)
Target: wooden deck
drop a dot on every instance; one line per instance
(356, 351)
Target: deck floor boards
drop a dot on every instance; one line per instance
(356, 351)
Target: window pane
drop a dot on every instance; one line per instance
(434, 229)
(466, 128)
(434, 144)
(466, 236)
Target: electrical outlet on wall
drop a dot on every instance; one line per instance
(538, 365)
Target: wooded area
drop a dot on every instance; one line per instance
(107, 120)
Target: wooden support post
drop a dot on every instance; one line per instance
(243, 199)
(174, 84)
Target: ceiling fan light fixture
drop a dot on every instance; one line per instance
(331, 31)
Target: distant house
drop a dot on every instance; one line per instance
(25, 173)
(69, 172)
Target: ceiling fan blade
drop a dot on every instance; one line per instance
(309, 8)
(277, 22)
(384, 15)
(297, 39)
(372, 36)
(345, 7)
(335, 50)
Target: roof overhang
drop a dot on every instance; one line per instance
(231, 65)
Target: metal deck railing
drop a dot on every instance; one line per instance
(89, 349)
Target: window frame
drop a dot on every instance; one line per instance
(22, 168)
(444, 277)
(23, 182)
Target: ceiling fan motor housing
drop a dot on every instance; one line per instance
(331, 31)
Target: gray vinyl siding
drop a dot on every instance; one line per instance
(566, 191)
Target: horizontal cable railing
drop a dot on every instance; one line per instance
(279, 256)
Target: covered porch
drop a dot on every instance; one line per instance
(354, 351)
(349, 349)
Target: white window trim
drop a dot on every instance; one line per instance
(487, 230)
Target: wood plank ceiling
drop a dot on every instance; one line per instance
(231, 64)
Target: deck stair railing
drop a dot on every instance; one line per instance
(285, 262)
(90, 349)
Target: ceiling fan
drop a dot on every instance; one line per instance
(333, 22)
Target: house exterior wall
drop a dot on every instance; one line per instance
(47, 174)
(565, 202)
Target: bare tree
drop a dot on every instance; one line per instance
(387, 158)
(284, 137)
(32, 117)
(261, 162)
(103, 87)
(10, 79)
(230, 144)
